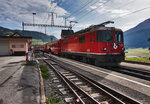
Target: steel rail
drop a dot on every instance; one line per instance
(73, 85)
(132, 72)
(54, 69)
(106, 88)
(146, 72)
(118, 101)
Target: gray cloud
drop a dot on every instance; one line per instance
(21, 10)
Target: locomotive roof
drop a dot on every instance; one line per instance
(93, 28)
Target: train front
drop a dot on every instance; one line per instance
(111, 46)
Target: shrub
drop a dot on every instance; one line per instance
(44, 71)
(53, 101)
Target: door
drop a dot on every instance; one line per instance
(91, 44)
(4, 45)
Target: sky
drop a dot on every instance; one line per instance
(125, 13)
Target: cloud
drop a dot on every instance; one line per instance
(82, 26)
(17, 11)
(119, 8)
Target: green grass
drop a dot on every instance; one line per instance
(29, 64)
(139, 52)
(44, 71)
(138, 59)
(53, 101)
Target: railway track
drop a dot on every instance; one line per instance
(85, 90)
(143, 74)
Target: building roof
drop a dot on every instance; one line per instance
(16, 35)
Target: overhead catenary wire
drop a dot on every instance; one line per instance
(51, 9)
(80, 9)
(89, 6)
(81, 17)
(57, 5)
(122, 6)
(136, 11)
(48, 9)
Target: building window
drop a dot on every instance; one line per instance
(18, 46)
(22, 46)
(92, 37)
(82, 39)
(13, 46)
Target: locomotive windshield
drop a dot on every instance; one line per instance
(119, 36)
(105, 36)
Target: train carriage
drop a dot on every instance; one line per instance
(99, 44)
(55, 47)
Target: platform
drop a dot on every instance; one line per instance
(19, 84)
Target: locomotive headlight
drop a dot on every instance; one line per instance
(123, 48)
(104, 49)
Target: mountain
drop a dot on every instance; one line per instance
(138, 36)
(33, 34)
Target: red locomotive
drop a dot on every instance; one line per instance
(99, 44)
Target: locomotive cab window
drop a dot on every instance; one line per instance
(119, 36)
(107, 36)
(82, 39)
(92, 37)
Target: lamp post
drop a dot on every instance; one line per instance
(33, 17)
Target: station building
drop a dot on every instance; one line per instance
(15, 44)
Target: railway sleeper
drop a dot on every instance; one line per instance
(56, 81)
(86, 88)
(74, 79)
(69, 99)
(70, 77)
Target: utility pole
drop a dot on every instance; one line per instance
(65, 21)
(45, 34)
(23, 27)
(52, 17)
(45, 29)
(33, 17)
